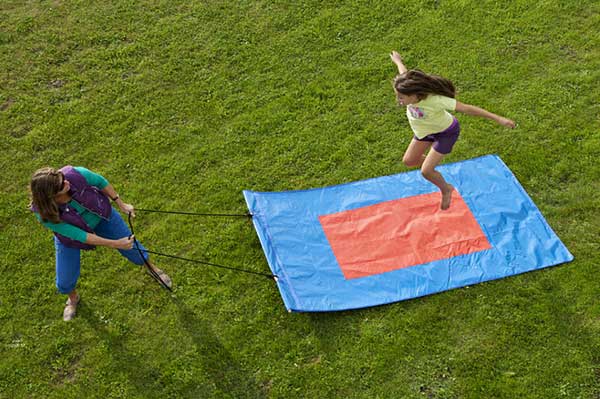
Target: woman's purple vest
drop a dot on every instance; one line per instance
(90, 197)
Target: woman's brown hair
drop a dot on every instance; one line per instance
(421, 84)
(45, 184)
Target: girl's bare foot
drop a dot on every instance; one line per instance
(447, 197)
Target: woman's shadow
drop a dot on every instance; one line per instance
(228, 376)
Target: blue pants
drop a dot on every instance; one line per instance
(68, 260)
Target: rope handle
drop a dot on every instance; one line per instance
(153, 273)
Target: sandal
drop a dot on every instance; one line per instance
(164, 277)
(71, 309)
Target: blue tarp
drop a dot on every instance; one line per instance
(311, 279)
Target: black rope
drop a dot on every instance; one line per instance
(152, 272)
(157, 277)
(248, 214)
(211, 264)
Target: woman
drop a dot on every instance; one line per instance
(74, 203)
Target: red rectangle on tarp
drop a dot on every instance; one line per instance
(401, 233)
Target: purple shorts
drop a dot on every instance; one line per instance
(444, 140)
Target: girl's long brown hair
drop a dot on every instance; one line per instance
(419, 83)
(45, 183)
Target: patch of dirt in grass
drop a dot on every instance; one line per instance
(266, 386)
(19, 132)
(56, 84)
(6, 104)
(66, 375)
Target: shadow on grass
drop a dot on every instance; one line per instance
(139, 373)
(229, 378)
(228, 375)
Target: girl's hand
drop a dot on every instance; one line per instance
(507, 122)
(124, 243)
(126, 208)
(396, 59)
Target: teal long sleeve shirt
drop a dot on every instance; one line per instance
(91, 219)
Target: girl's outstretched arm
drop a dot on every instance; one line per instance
(476, 111)
(396, 59)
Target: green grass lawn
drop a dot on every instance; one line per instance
(183, 104)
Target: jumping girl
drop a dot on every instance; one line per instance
(427, 99)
